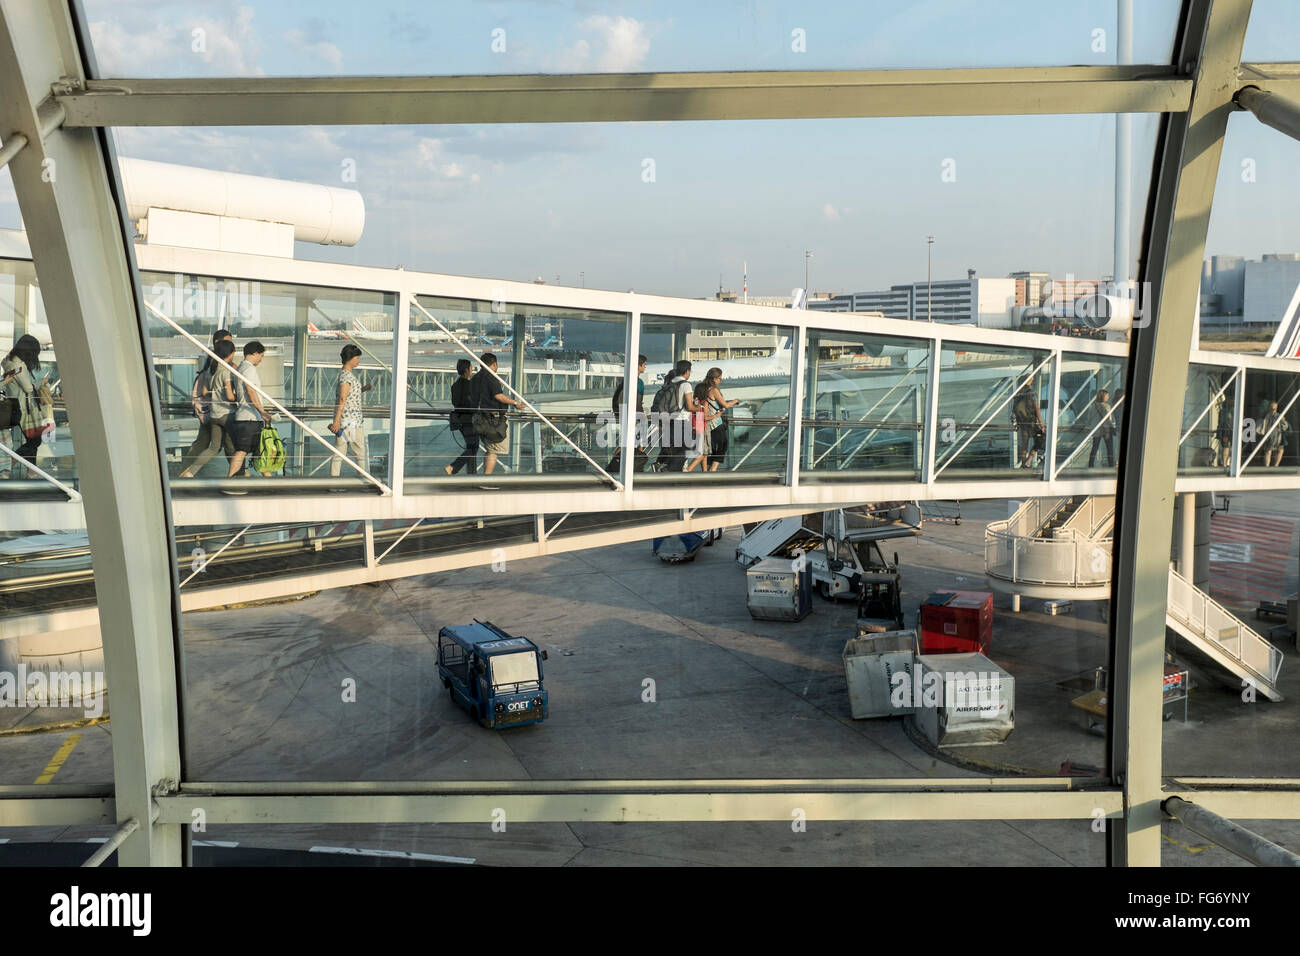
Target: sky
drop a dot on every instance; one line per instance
(676, 208)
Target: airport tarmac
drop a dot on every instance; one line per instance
(732, 698)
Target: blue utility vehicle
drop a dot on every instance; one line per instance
(495, 677)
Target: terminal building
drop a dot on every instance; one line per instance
(1248, 294)
(326, 530)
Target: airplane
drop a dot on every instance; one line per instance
(316, 332)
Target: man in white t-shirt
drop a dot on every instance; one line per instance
(249, 412)
(679, 437)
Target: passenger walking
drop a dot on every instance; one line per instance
(1275, 440)
(1225, 431)
(200, 403)
(675, 404)
(701, 424)
(22, 386)
(1028, 420)
(489, 422)
(349, 424)
(1100, 423)
(462, 419)
(640, 456)
(211, 408)
(249, 415)
(718, 439)
(227, 441)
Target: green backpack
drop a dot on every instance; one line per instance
(270, 451)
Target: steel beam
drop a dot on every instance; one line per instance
(628, 97)
(66, 192)
(660, 802)
(1209, 49)
(1231, 836)
(54, 811)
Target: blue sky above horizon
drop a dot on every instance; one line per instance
(999, 193)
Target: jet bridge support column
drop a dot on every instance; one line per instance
(519, 331)
(298, 396)
(810, 405)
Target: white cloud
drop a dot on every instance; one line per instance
(573, 59)
(231, 47)
(321, 49)
(625, 42)
(618, 45)
(120, 51)
(830, 213)
(427, 150)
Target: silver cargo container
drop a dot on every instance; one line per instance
(963, 700)
(779, 590)
(870, 663)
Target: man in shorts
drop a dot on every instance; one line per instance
(490, 396)
(249, 413)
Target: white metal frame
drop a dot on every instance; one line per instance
(47, 115)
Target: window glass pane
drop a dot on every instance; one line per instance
(188, 38)
(549, 280)
(571, 360)
(1234, 567)
(865, 407)
(1273, 35)
(53, 700)
(728, 414)
(304, 333)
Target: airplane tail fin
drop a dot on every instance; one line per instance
(1286, 341)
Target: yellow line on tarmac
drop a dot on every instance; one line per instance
(60, 756)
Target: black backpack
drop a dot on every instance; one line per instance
(666, 398)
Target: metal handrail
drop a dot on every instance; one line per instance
(1077, 546)
(871, 434)
(1028, 376)
(72, 493)
(924, 359)
(1199, 600)
(1084, 441)
(1281, 418)
(1210, 404)
(384, 489)
(618, 485)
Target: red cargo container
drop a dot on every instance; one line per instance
(957, 622)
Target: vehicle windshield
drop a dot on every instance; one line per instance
(518, 668)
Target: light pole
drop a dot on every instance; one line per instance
(806, 256)
(583, 277)
(929, 284)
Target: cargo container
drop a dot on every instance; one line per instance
(963, 700)
(956, 622)
(871, 662)
(779, 590)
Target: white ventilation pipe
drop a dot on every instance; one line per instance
(1110, 312)
(324, 214)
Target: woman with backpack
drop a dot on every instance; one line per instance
(211, 408)
(20, 385)
(462, 419)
